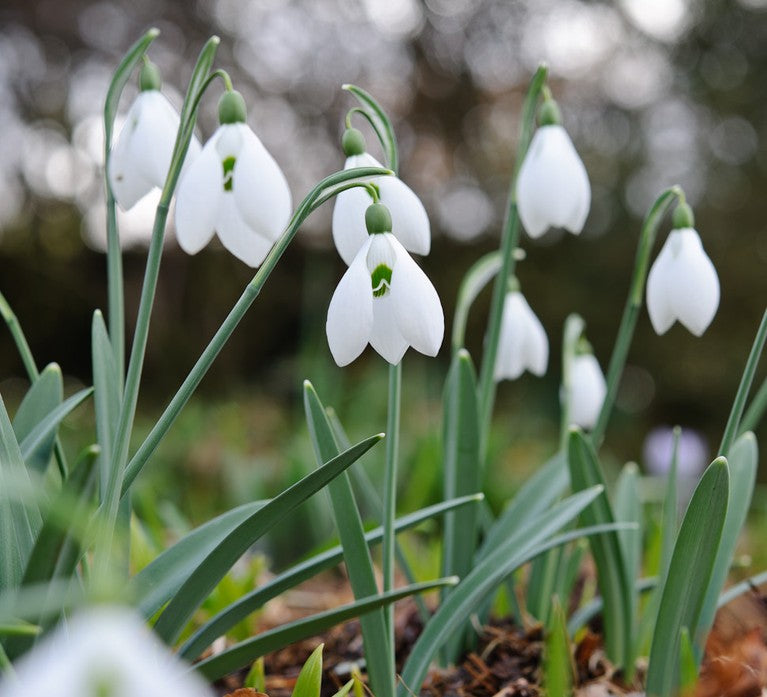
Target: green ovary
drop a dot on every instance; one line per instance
(381, 280)
(228, 165)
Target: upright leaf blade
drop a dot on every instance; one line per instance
(309, 679)
(689, 575)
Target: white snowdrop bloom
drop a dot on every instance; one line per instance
(103, 652)
(587, 390)
(384, 299)
(552, 187)
(234, 188)
(523, 343)
(140, 159)
(683, 284)
(410, 224)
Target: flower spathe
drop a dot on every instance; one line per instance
(236, 189)
(410, 223)
(552, 187)
(586, 391)
(523, 343)
(683, 284)
(384, 299)
(140, 158)
(104, 651)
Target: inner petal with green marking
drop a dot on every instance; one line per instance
(381, 280)
(228, 165)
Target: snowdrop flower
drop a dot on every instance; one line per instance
(234, 188)
(383, 299)
(523, 343)
(103, 652)
(586, 391)
(552, 187)
(410, 224)
(140, 158)
(682, 284)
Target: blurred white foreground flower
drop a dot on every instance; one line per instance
(140, 158)
(587, 390)
(410, 224)
(682, 284)
(103, 652)
(383, 299)
(234, 188)
(523, 343)
(552, 187)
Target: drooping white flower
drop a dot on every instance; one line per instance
(384, 299)
(410, 224)
(523, 342)
(586, 391)
(140, 158)
(683, 284)
(552, 187)
(103, 652)
(234, 188)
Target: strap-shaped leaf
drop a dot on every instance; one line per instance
(309, 679)
(240, 654)
(239, 610)
(689, 575)
(214, 567)
(41, 399)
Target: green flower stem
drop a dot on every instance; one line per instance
(755, 410)
(312, 201)
(731, 429)
(390, 488)
(510, 237)
(574, 328)
(477, 277)
(633, 305)
(30, 365)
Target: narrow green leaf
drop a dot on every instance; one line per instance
(19, 522)
(106, 396)
(45, 394)
(256, 677)
(688, 665)
(161, 579)
(359, 565)
(541, 584)
(345, 689)
(689, 576)
(47, 427)
(240, 654)
(217, 563)
(743, 587)
(309, 680)
(381, 124)
(615, 586)
(557, 661)
(228, 617)
(524, 543)
(584, 614)
(743, 460)
(20, 628)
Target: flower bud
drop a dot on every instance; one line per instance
(353, 142)
(231, 108)
(377, 219)
(683, 217)
(549, 114)
(149, 78)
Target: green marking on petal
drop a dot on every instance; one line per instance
(381, 280)
(228, 165)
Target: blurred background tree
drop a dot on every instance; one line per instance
(653, 92)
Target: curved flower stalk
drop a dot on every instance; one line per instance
(140, 159)
(383, 299)
(104, 652)
(410, 224)
(586, 391)
(523, 344)
(234, 188)
(683, 284)
(552, 188)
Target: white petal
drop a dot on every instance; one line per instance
(587, 390)
(198, 199)
(237, 236)
(260, 188)
(694, 285)
(128, 186)
(349, 231)
(659, 306)
(523, 343)
(410, 224)
(350, 315)
(552, 187)
(386, 337)
(418, 309)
